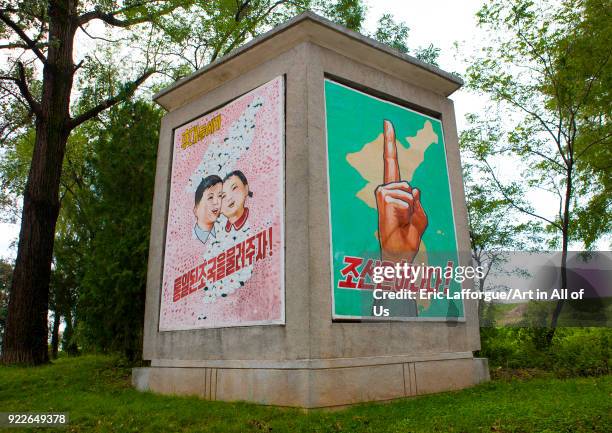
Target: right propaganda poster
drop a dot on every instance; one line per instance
(389, 205)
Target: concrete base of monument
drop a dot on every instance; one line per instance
(310, 384)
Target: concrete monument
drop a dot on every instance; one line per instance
(289, 173)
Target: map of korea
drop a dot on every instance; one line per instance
(369, 162)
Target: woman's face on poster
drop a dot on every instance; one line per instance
(234, 196)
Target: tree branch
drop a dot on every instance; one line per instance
(512, 203)
(11, 92)
(242, 9)
(100, 37)
(24, 37)
(128, 91)
(593, 143)
(14, 45)
(591, 81)
(78, 66)
(547, 158)
(22, 84)
(238, 19)
(543, 123)
(25, 91)
(111, 17)
(22, 45)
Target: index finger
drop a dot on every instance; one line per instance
(391, 166)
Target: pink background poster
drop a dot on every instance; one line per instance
(224, 254)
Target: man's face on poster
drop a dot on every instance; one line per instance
(208, 209)
(234, 195)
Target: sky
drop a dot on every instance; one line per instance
(443, 23)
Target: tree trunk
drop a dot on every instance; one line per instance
(565, 243)
(26, 328)
(68, 344)
(55, 335)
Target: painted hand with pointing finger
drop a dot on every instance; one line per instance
(401, 217)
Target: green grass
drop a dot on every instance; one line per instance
(96, 392)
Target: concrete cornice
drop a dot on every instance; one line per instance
(307, 27)
(300, 364)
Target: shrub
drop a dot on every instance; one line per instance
(581, 352)
(573, 351)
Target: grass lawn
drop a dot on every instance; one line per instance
(96, 392)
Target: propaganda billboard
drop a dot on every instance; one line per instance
(224, 252)
(389, 205)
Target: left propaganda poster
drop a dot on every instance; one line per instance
(224, 252)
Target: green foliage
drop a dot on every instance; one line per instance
(392, 34)
(495, 227)
(428, 54)
(395, 35)
(208, 30)
(6, 273)
(101, 246)
(591, 311)
(514, 347)
(14, 168)
(15, 115)
(573, 352)
(547, 72)
(575, 67)
(582, 352)
(348, 13)
(547, 68)
(96, 391)
(110, 309)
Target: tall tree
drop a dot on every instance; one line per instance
(45, 32)
(547, 66)
(584, 59)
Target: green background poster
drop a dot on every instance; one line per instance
(355, 142)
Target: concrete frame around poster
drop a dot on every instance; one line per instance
(310, 361)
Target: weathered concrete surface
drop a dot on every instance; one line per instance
(481, 370)
(312, 28)
(140, 378)
(315, 387)
(311, 361)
